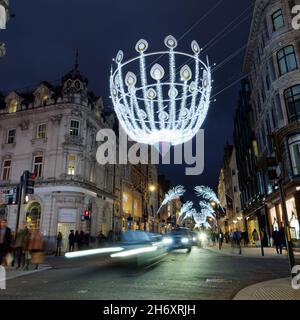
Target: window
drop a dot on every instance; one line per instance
(38, 166)
(277, 19)
(292, 100)
(278, 105)
(286, 58)
(41, 131)
(233, 172)
(71, 164)
(74, 128)
(6, 170)
(11, 134)
(268, 81)
(294, 147)
(13, 106)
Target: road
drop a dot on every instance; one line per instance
(200, 275)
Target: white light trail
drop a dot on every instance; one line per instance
(84, 253)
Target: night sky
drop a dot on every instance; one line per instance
(42, 39)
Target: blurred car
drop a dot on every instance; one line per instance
(180, 238)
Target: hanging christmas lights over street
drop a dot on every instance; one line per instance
(156, 104)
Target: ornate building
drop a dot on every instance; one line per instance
(51, 131)
(229, 192)
(272, 64)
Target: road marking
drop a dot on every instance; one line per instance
(82, 291)
(214, 280)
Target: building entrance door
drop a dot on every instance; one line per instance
(65, 229)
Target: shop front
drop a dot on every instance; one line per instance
(276, 220)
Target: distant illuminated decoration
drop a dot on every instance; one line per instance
(158, 104)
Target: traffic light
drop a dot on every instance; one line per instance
(87, 215)
(29, 182)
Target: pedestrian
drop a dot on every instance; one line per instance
(110, 236)
(71, 240)
(77, 239)
(277, 241)
(237, 240)
(221, 238)
(59, 240)
(81, 240)
(101, 238)
(5, 241)
(255, 237)
(36, 247)
(20, 243)
(282, 237)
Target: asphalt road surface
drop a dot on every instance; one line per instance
(200, 275)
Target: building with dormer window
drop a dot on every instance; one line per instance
(51, 131)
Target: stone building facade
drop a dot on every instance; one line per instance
(51, 131)
(272, 64)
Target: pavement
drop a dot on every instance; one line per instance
(251, 252)
(13, 273)
(277, 289)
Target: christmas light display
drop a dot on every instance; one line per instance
(160, 104)
(173, 194)
(207, 194)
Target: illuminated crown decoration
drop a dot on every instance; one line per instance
(152, 107)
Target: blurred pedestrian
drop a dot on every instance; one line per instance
(59, 243)
(237, 240)
(36, 247)
(221, 239)
(5, 241)
(81, 240)
(71, 240)
(255, 237)
(277, 241)
(19, 246)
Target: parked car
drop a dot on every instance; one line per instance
(180, 238)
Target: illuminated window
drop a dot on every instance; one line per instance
(11, 135)
(41, 131)
(13, 106)
(255, 148)
(6, 170)
(71, 164)
(38, 166)
(74, 128)
(45, 99)
(277, 19)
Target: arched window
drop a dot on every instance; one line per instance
(292, 100)
(294, 149)
(33, 215)
(287, 61)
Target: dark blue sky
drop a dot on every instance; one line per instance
(42, 39)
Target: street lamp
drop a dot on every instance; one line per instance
(152, 188)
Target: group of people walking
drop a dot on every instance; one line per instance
(20, 249)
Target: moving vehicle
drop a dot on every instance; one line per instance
(180, 238)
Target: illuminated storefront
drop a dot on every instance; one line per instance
(276, 219)
(132, 209)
